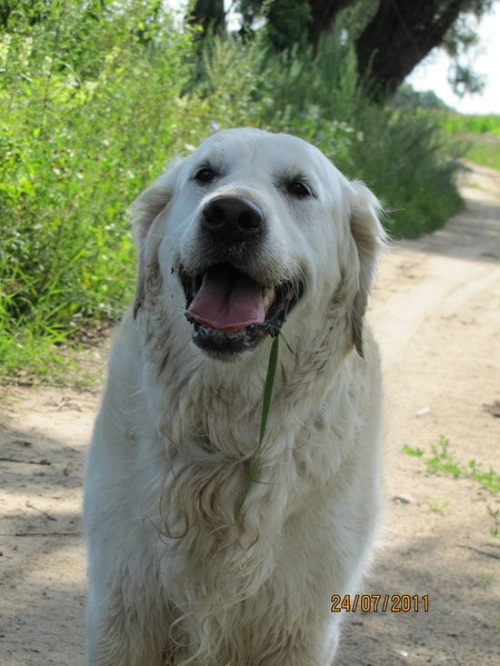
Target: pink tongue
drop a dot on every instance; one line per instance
(227, 301)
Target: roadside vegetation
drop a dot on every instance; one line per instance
(480, 135)
(94, 104)
(477, 136)
(440, 460)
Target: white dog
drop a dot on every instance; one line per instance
(190, 563)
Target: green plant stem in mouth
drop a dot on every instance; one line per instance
(268, 391)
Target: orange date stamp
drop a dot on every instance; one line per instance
(380, 603)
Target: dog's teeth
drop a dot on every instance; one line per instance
(268, 297)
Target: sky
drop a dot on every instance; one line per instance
(431, 73)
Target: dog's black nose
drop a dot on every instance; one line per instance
(233, 219)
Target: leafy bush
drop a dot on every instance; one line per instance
(405, 160)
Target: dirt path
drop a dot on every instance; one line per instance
(436, 311)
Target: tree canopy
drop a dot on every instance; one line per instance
(391, 36)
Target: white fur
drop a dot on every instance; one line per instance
(175, 578)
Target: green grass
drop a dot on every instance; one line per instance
(456, 123)
(495, 514)
(438, 505)
(480, 135)
(485, 151)
(266, 404)
(486, 580)
(440, 460)
(28, 358)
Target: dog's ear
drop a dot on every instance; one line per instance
(369, 239)
(152, 201)
(143, 213)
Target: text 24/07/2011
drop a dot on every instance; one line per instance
(395, 603)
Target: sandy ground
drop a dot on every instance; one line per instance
(436, 311)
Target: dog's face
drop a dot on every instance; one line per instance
(250, 229)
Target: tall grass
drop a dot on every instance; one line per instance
(93, 102)
(408, 163)
(480, 136)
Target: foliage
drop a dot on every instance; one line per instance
(95, 97)
(391, 36)
(402, 156)
(479, 134)
(407, 97)
(495, 514)
(79, 137)
(438, 505)
(403, 146)
(485, 152)
(287, 20)
(442, 461)
(460, 39)
(456, 123)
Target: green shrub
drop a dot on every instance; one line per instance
(74, 153)
(404, 158)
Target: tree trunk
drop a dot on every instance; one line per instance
(323, 13)
(209, 14)
(400, 35)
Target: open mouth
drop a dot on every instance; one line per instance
(231, 312)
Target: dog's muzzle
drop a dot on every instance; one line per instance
(230, 307)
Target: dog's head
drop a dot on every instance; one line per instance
(251, 229)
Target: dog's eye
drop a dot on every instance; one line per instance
(205, 175)
(298, 189)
